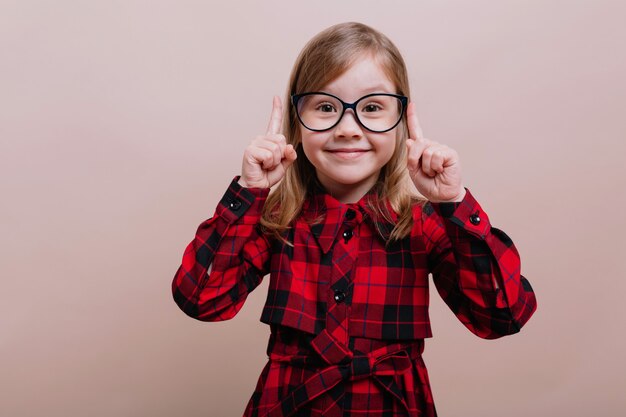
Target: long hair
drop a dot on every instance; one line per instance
(324, 58)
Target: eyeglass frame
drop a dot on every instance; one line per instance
(295, 98)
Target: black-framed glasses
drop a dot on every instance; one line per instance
(377, 112)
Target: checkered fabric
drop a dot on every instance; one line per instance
(348, 312)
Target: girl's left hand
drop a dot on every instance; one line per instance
(434, 168)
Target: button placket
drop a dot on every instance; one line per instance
(344, 258)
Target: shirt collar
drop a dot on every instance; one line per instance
(333, 213)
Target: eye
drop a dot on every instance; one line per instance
(372, 107)
(326, 108)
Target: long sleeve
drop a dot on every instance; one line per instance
(476, 269)
(226, 260)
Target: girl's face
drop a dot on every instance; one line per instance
(348, 158)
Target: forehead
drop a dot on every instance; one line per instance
(364, 76)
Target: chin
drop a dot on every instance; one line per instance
(348, 178)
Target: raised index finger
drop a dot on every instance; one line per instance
(415, 130)
(276, 118)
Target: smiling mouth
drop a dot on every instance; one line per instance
(348, 150)
(349, 153)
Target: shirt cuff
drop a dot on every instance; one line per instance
(467, 214)
(239, 201)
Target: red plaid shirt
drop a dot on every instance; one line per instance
(348, 314)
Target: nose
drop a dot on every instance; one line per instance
(348, 126)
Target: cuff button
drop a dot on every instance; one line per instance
(475, 219)
(235, 204)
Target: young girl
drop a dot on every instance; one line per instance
(347, 244)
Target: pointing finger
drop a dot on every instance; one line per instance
(276, 118)
(415, 131)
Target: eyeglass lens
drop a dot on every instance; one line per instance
(376, 112)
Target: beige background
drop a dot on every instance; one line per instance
(122, 123)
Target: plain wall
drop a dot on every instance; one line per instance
(122, 123)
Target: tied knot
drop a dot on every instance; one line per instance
(359, 367)
(364, 366)
(353, 365)
(384, 365)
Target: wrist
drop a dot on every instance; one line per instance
(456, 199)
(246, 184)
(242, 182)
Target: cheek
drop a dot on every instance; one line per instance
(387, 147)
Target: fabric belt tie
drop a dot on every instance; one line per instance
(343, 365)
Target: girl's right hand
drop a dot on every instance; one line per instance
(267, 157)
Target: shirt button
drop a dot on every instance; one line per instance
(347, 235)
(350, 214)
(339, 296)
(235, 204)
(475, 219)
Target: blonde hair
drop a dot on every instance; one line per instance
(325, 57)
